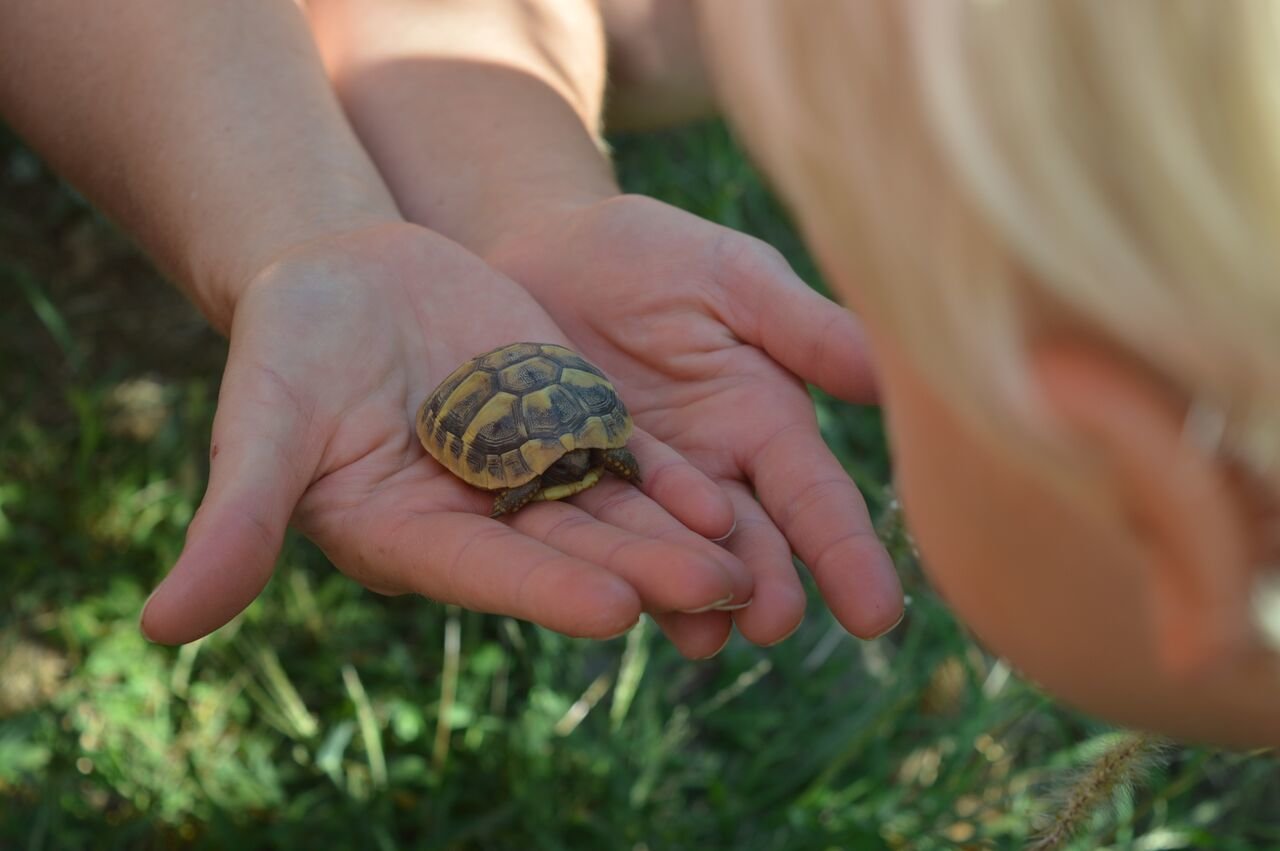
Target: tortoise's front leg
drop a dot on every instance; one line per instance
(622, 463)
(511, 500)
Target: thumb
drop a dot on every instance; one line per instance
(255, 480)
(813, 337)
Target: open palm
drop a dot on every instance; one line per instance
(710, 335)
(332, 349)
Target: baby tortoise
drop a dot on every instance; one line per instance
(532, 421)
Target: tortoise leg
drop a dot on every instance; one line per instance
(622, 463)
(511, 500)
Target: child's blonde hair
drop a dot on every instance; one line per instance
(985, 168)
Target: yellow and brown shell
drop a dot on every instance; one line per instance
(504, 417)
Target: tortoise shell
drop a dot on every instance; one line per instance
(504, 417)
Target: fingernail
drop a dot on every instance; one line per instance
(788, 634)
(727, 535)
(892, 627)
(733, 607)
(142, 614)
(716, 605)
(619, 634)
(716, 652)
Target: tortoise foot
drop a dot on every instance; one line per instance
(512, 500)
(622, 463)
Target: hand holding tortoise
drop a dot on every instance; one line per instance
(710, 336)
(342, 318)
(332, 348)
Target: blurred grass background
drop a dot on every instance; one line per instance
(330, 717)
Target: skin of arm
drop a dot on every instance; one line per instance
(707, 332)
(192, 152)
(493, 87)
(210, 132)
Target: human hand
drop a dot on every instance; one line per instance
(709, 335)
(333, 347)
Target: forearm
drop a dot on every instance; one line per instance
(207, 130)
(480, 113)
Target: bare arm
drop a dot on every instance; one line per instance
(478, 112)
(207, 130)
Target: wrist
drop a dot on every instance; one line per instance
(539, 160)
(540, 213)
(521, 250)
(223, 263)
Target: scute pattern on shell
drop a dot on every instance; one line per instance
(504, 417)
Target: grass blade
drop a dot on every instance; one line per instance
(369, 732)
(448, 687)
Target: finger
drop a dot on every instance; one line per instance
(697, 636)
(619, 504)
(778, 605)
(487, 566)
(681, 488)
(810, 335)
(814, 503)
(258, 470)
(669, 577)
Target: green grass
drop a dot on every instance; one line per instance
(328, 716)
